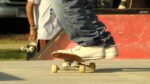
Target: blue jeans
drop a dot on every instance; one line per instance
(80, 22)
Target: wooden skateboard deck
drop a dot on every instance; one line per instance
(69, 57)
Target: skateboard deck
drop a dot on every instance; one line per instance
(71, 57)
(68, 57)
(49, 46)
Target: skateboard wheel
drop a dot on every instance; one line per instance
(31, 49)
(92, 67)
(54, 68)
(81, 68)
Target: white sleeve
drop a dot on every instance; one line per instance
(35, 1)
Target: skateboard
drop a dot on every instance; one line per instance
(30, 48)
(91, 67)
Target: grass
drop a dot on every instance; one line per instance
(10, 45)
(12, 55)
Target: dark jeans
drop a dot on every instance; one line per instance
(79, 21)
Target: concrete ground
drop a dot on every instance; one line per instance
(108, 72)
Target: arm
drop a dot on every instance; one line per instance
(30, 16)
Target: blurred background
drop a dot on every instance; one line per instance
(14, 29)
(14, 25)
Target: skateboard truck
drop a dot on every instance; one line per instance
(82, 68)
(30, 47)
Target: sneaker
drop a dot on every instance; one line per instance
(86, 53)
(111, 52)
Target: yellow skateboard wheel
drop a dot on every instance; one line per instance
(82, 69)
(54, 68)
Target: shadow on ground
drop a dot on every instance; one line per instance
(8, 77)
(111, 70)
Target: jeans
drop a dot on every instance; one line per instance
(80, 22)
(105, 36)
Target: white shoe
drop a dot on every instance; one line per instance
(111, 52)
(86, 53)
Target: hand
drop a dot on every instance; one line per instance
(33, 34)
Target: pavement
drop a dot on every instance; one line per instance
(115, 71)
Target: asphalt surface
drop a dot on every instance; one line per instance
(107, 72)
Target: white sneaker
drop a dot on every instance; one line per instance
(86, 53)
(111, 52)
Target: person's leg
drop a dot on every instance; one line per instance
(81, 23)
(73, 18)
(74, 21)
(87, 16)
(105, 35)
(106, 38)
(42, 44)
